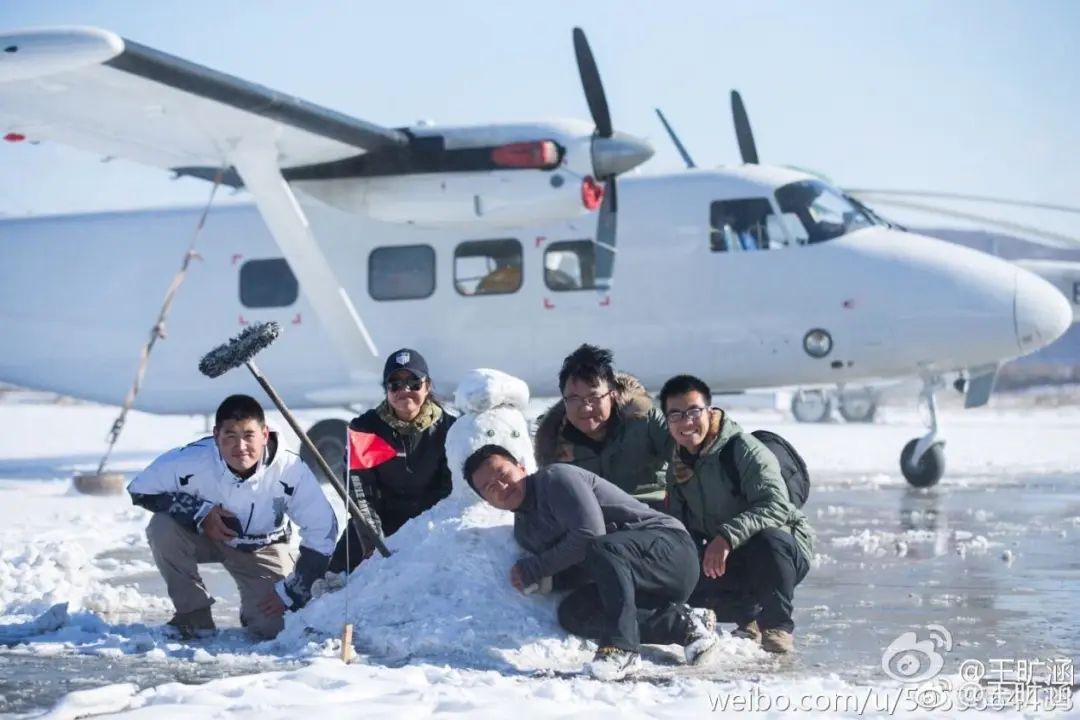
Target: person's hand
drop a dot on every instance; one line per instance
(516, 578)
(714, 564)
(271, 605)
(214, 527)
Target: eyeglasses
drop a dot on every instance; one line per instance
(576, 401)
(690, 413)
(413, 385)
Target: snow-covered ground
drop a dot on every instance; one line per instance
(990, 555)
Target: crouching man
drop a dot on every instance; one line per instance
(633, 567)
(755, 545)
(226, 499)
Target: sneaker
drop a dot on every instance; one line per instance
(701, 639)
(778, 641)
(194, 624)
(748, 631)
(613, 663)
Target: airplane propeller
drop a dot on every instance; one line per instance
(743, 133)
(612, 153)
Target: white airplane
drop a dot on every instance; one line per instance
(478, 245)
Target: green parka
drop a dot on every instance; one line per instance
(710, 503)
(634, 453)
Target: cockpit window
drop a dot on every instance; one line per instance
(824, 213)
(737, 225)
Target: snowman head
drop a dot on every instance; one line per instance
(494, 406)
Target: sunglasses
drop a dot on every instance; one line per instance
(413, 385)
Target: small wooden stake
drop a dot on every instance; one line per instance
(346, 644)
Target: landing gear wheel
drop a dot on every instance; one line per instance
(811, 406)
(328, 436)
(858, 407)
(928, 471)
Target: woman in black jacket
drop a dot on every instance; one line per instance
(397, 454)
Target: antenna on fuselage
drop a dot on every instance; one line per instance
(675, 139)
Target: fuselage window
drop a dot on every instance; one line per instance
(488, 267)
(405, 272)
(570, 265)
(268, 284)
(737, 225)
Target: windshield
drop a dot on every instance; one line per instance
(823, 212)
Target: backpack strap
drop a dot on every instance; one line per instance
(727, 462)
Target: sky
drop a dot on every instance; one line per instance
(970, 96)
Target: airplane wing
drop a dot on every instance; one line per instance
(95, 90)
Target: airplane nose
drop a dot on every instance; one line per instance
(619, 153)
(1041, 312)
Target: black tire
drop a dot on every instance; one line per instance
(930, 468)
(858, 411)
(328, 436)
(806, 412)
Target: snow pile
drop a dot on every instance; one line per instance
(35, 576)
(445, 594)
(50, 555)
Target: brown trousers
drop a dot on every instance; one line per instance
(178, 551)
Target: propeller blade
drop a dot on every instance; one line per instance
(970, 198)
(1036, 235)
(675, 139)
(743, 133)
(590, 81)
(605, 238)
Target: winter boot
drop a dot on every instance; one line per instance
(613, 663)
(701, 639)
(778, 641)
(748, 631)
(194, 624)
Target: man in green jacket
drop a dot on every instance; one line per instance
(607, 425)
(755, 545)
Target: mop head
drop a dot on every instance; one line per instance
(239, 350)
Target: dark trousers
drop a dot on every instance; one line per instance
(637, 582)
(758, 583)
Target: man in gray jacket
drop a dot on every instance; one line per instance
(633, 567)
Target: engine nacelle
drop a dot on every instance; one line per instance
(501, 197)
(510, 175)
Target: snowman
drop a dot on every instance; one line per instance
(493, 407)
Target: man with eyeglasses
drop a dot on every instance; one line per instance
(396, 454)
(755, 545)
(606, 424)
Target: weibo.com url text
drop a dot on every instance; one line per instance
(939, 694)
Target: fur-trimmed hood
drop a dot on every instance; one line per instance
(632, 400)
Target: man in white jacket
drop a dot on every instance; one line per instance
(229, 499)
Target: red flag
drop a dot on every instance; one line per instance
(368, 450)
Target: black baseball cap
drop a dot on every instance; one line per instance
(405, 359)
